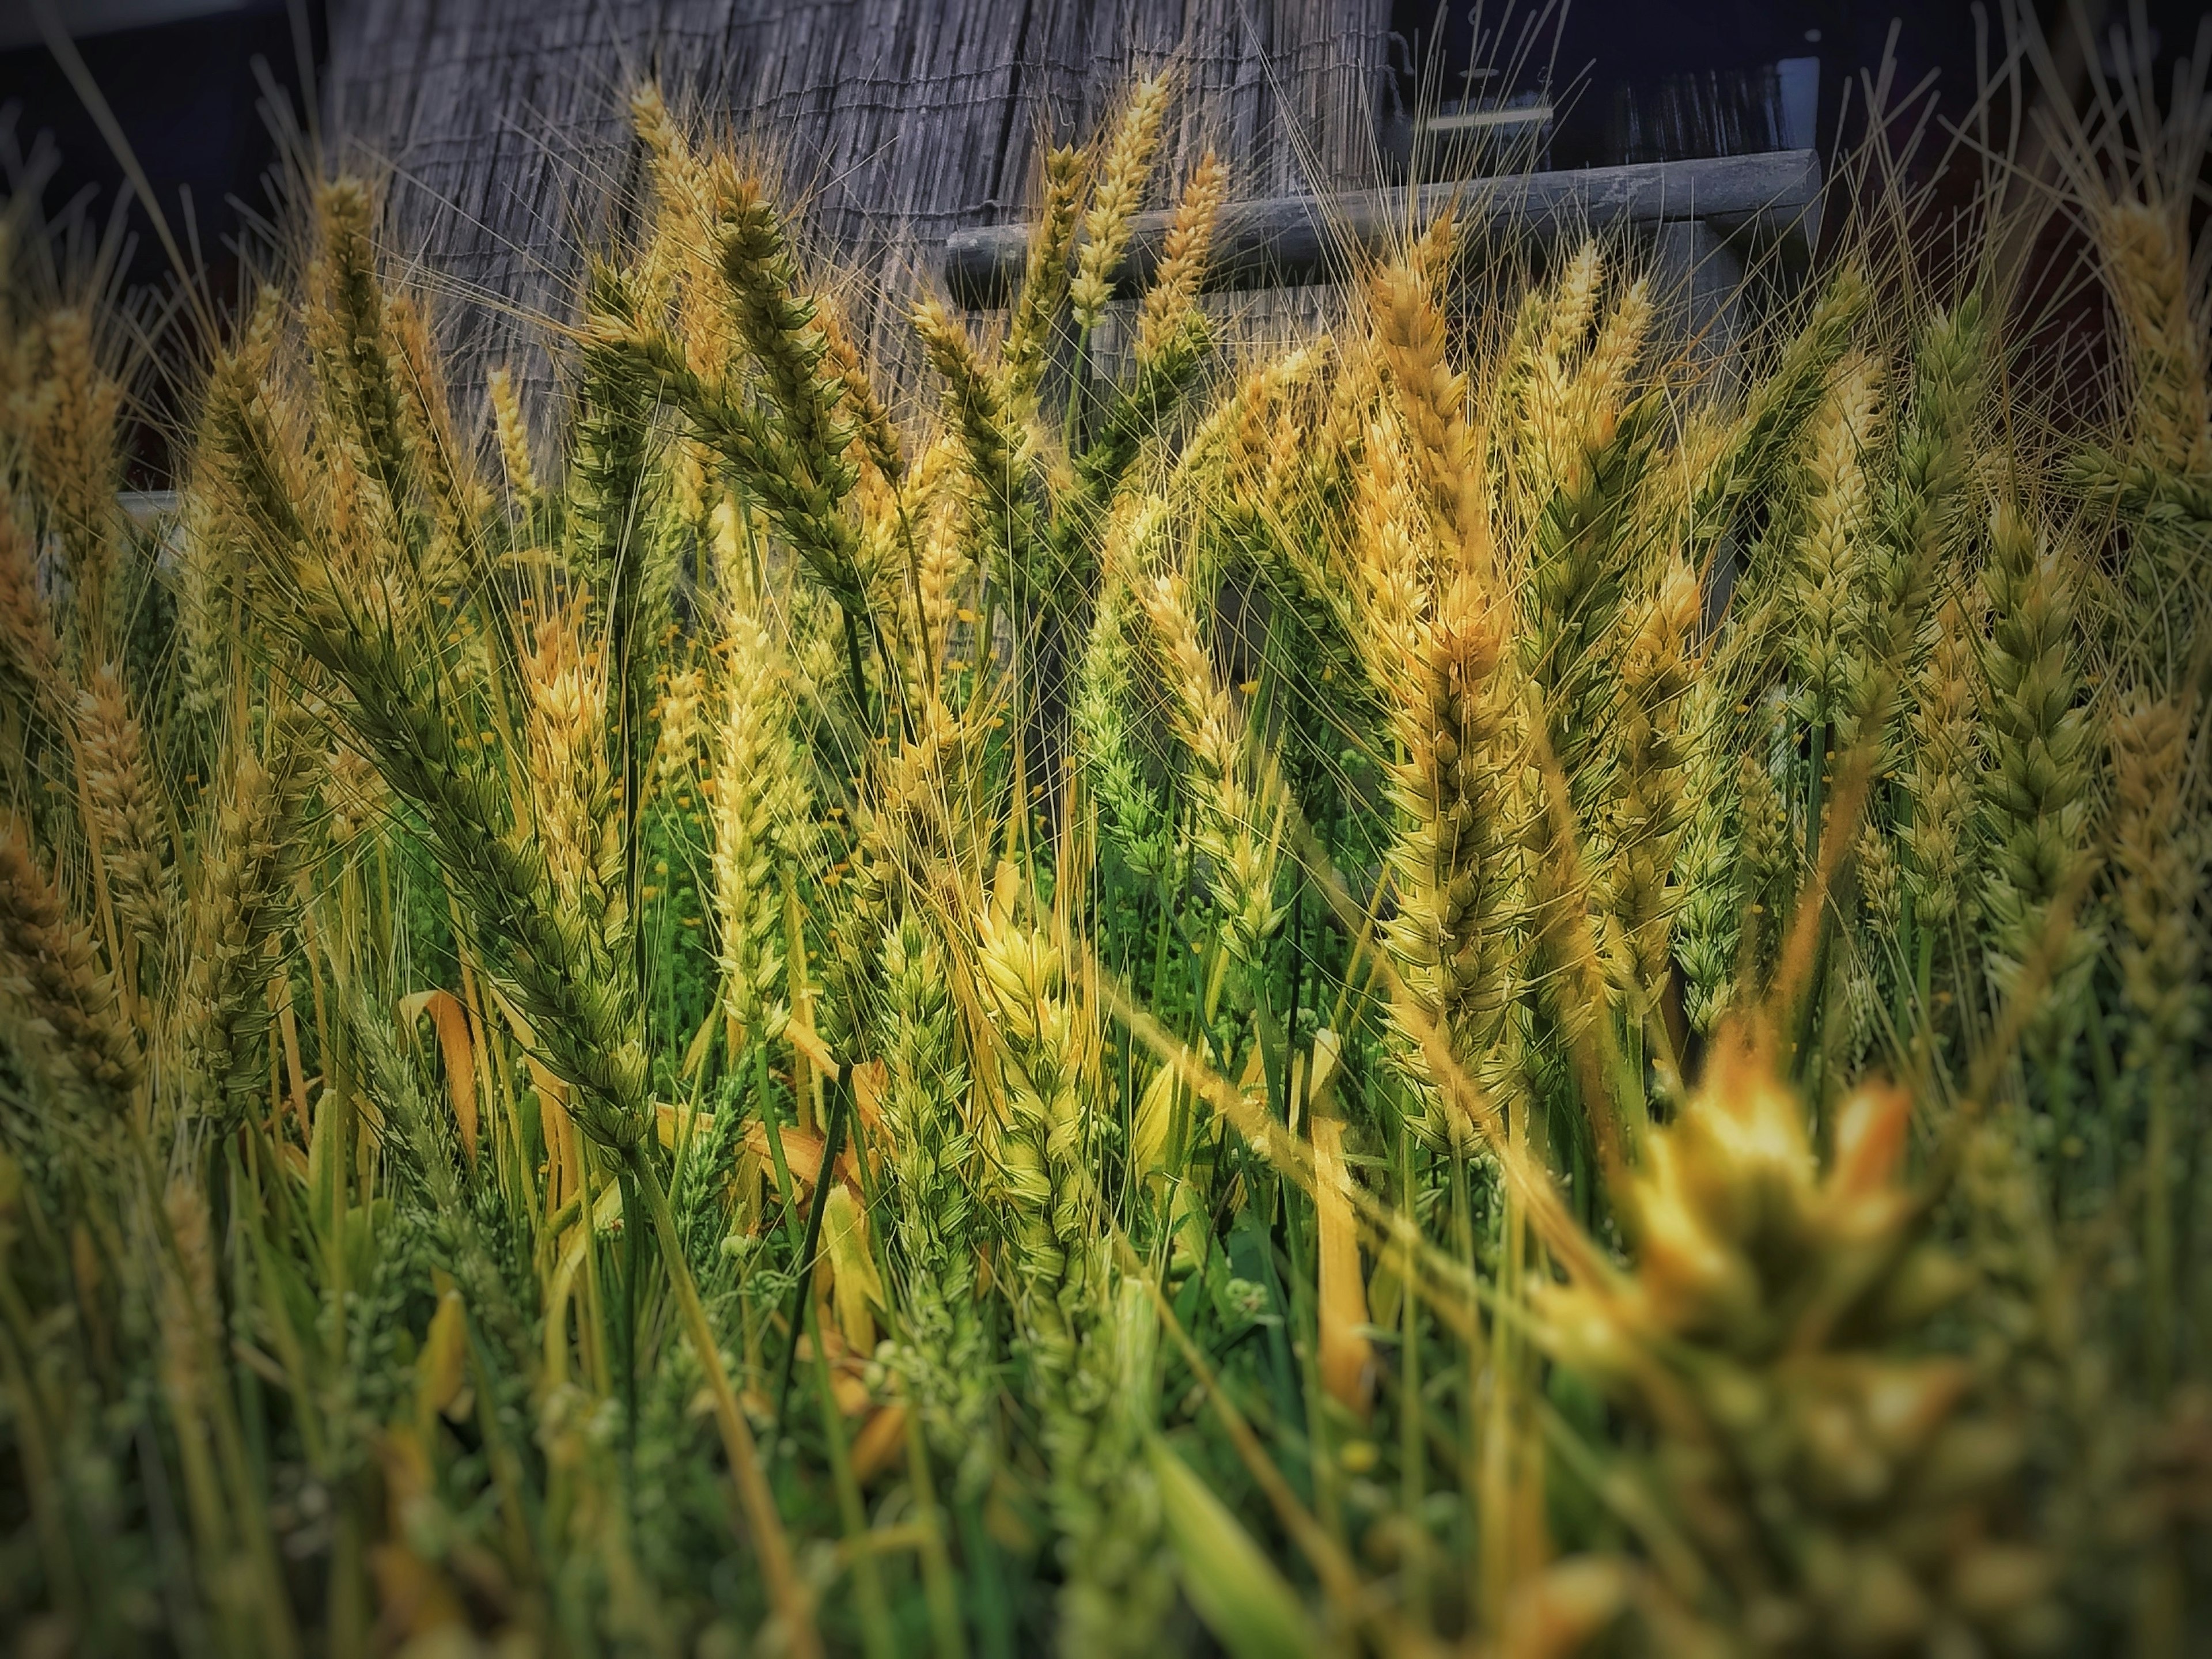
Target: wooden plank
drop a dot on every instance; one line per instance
(1291, 238)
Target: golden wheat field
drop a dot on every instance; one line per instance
(1234, 1009)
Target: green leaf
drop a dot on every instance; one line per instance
(1248, 1606)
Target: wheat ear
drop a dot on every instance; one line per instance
(348, 332)
(1044, 275)
(1925, 511)
(1241, 801)
(1130, 806)
(780, 324)
(62, 1005)
(1123, 172)
(513, 435)
(1821, 1337)
(1943, 781)
(2160, 886)
(1174, 292)
(74, 463)
(127, 813)
(1823, 593)
(30, 665)
(2145, 247)
(241, 898)
(1432, 401)
(878, 433)
(996, 446)
(1709, 905)
(1652, 808)
(1439, 659)
(2035, 801)
(1043, 1153)
(760, 797)
(1775, 411)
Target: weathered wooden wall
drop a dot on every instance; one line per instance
(895, 122)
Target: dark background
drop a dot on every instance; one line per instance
(191, 94)
(186, 95)
(1610, 52)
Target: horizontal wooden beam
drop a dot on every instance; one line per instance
(1288, 239)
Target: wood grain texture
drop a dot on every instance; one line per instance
(502, 124)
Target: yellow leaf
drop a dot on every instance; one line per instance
(803, 1038)
(845, 1234)
(880, 1443)
(871, 1077)
(1347, 1359)
(696, 1055)
(454, 1041)
(675, 1122)
(442, 1368)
